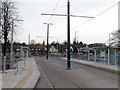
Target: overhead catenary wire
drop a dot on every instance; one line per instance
(80, 10)
(58, 8)
(95, 16)
(52, 12)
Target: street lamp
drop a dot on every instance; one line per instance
(47, 37)
(109, 38)
(11, 55)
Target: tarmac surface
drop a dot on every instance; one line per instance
(54, 75)
(37, 72)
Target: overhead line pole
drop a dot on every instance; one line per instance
(68, 36)
(68, 30)
(47, 38)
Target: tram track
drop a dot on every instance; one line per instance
(57, 77)
(52, 83)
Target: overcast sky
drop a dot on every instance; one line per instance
(95, 31)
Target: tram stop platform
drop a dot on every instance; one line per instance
(26, 76)
(106, 67)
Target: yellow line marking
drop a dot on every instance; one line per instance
(24, 79)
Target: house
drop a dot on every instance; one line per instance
(64, 49)
(97, 45)
(37, 49)
(53, 50)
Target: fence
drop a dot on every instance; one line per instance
(111, 58)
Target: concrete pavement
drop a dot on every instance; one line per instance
(26, 76)
(106, 67)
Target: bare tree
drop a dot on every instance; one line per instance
(116, 38)
(0, 22)
(8, 13)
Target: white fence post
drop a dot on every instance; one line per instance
(115, 58)
(108, 56)
(94, 55)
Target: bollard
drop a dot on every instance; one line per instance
(17, 65)
(108, 56)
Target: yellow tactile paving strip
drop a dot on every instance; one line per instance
(24, 79)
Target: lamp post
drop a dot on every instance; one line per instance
(11, 55)
(109, 38)
(47, 37)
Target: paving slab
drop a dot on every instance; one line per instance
(110, 68)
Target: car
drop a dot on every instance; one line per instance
(55, 54)
(36, 54)
(65, 55)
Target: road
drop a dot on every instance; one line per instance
(54, 75)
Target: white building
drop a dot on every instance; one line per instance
(33, 42)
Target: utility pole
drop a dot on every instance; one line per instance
(47, 38)
(11, 54)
